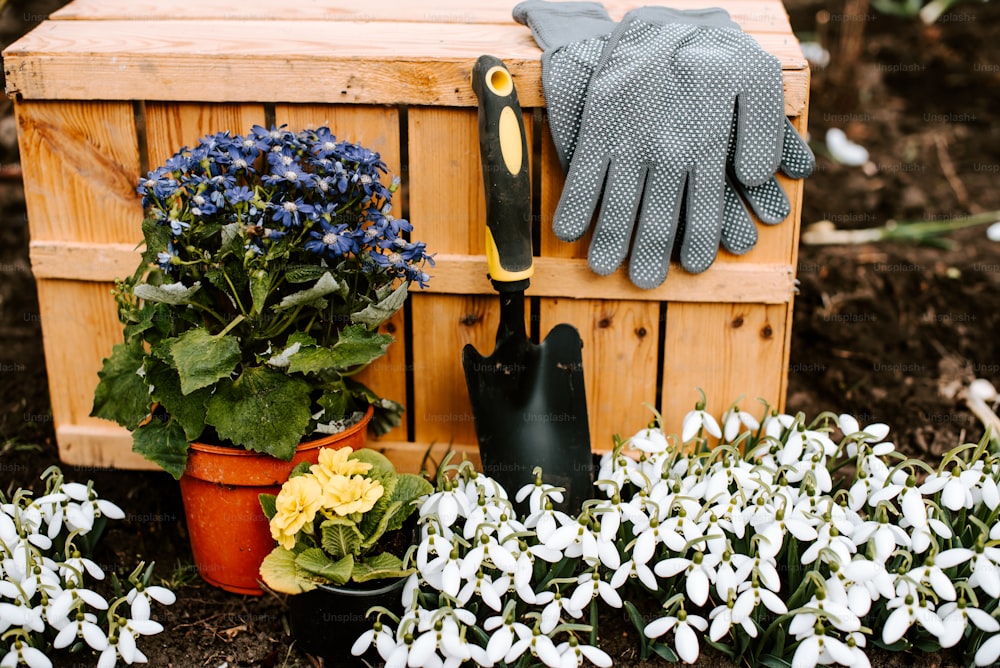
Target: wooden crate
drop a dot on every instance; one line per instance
(105, 89)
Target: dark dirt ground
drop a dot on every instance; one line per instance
(880, 329)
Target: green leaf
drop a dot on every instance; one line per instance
(356, 346)
(316, 562)
(172, 293)
(772, 661)
(278, 572)
(326, 285)
(301, 468)
(267, 504)
(262, 410)
(340, 537)
(374, 315)
(260, 285)
(121, 394)
(379, 567)
(409, 488)
(188, 410)
(163, 442)
(303, 273)
(334, 405)
(664, 651)
(381, 468)
(202, 359)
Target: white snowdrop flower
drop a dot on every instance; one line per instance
(574, 653)
(20, 653)
(882, 536)
(774, 521)
(751, 595)
(909, 610)
(578, 539)
(83, 626)
(732, 571)
(19, 614)
(504, 632)
(547, 521)
(444, 571)
(954, 486)
(555, 605)
(775, 424)
(685, 637)
(536, 493)
(862, 582)
(699, 573)
(989, 652)
(489, 590)
(538, 644)
(822, 606)
(958, 616)
(51, 506)
(697, 421)
(931, 573)
(637, 569)
(829, 543)
(441, 633)
(447, 505)
(651, 441)
(822, 650)
(725, 616)
(851, 428)
(590, 586)
(380, 636)
(735, 420)
(432, 544)
(986, 568)
(139, 599)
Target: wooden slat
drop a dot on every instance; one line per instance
(731, 351)
(172, 126)
(466, 274)
(165, 60)
(81, 166)
(752, 15)
(619, 361)
(79, 328)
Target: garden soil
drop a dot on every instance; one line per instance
(887, 331)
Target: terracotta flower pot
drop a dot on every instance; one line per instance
(220, 487)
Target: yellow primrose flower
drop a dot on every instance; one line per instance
(335, 462)
(297, 503)
(346, 496)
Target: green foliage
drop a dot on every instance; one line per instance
(259, 295)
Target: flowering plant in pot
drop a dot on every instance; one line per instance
(343, 532)
(270, 260)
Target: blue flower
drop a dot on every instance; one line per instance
(163, 257)
(177, 227)
(288, 212)
(238, 195)
(331, 240)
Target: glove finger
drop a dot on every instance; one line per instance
(659, 220)
(554, 24)
(703, 218)
(768, 200)
(797, 159)
(760, 117)
(739, 233)
(580, 194)
(566, 74)
(616, 220)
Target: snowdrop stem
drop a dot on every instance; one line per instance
(955, 454)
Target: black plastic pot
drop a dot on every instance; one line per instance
(327, 620)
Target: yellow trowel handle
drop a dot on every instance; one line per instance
(504, 152)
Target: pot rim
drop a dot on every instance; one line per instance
(226, 451)
(348, 590)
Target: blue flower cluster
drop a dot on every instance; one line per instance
(307, 190)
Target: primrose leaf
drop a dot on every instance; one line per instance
(280, 574)
(263, 410)
(316, 562)
(340, 537)
(379, 567)
(202, 359)
(268, 505)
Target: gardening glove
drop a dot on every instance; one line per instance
(573, 35)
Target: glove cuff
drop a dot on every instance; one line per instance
(712, 17)
(555, 24)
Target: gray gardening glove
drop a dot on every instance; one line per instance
(574, 34)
